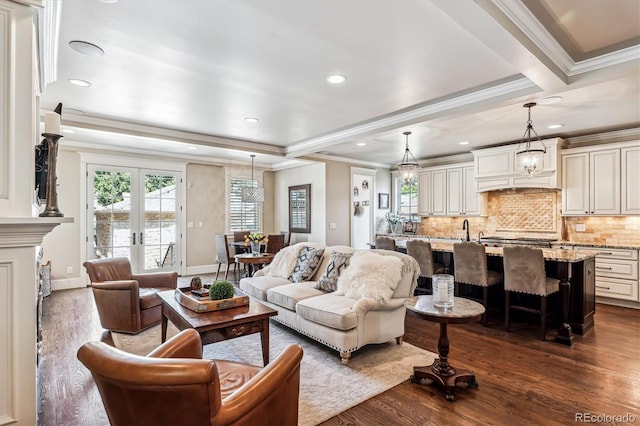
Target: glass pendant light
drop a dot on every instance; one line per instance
(408, 166)
(530, 161)
(252, 194)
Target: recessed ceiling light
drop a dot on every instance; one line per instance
(361, 144)
(251, 120)
(81, 83)
(555, 126)
(86, 48)
(549, 100)
(336, 79)
(463, 143)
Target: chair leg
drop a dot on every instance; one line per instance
(226, 272)
(543, 315)
(217, 273)
(485, 302)
(507, 305)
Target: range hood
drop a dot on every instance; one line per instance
(495, 168)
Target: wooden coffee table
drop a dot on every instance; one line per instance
(217, 326)
(441, 372)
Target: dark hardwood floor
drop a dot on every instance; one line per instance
(522, 380)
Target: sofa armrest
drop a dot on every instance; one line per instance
(131, 285)
(157, 279)
(367, 304)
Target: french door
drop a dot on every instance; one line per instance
(134, 213)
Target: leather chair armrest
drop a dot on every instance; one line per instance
(273, 381)
(186, 344)
(157, 279)
(117, 285)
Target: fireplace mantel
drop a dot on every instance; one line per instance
(27, 231)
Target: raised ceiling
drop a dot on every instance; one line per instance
(180, 77)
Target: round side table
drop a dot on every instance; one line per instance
(441, 372)
(253, 261)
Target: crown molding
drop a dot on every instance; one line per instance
(525, 21)
(511, 87)
(623, 135)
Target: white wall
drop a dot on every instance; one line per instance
(315, 175)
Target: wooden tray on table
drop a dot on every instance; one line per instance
(196, 304)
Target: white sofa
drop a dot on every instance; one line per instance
(345, 323)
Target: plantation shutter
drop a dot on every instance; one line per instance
(242, 216)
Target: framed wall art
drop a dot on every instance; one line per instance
(383, 200)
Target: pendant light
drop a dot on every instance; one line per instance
(408, 166)
(252, 194)
(530, 161)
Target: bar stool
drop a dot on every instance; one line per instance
(421, 251)
(524, 273)
(385, 243)
(470, 265)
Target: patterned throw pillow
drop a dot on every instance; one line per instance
(329, 280)
(308, 262)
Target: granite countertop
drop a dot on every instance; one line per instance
(612, 246)
(558, 255)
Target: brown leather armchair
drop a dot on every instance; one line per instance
(126, 302)
(170, 387)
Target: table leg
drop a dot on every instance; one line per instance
(163, 327)
(565, 334)
(264, 339)
(441, 372)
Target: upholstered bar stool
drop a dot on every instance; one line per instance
(524, 273)
(385, 243)
(421, 251)
(470, 265)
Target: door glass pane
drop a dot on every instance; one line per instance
(111, 214)
(159, 221)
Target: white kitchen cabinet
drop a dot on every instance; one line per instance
(591, 183)
(630, 175)
(462, 197)
(432, 196)
(616, 273)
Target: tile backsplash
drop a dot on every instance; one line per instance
(536, 213)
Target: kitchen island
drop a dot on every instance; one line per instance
(574, 268)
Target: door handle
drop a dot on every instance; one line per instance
(141, 238)
(134, 238)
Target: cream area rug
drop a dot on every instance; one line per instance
(327, 387)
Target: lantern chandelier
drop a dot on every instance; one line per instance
(530, 161)
(252, 194)
(408, 166)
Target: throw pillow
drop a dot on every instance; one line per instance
(283, 262)
(329, 280)
(370, 275)
(308, 262)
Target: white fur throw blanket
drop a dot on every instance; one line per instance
(283, 262)
(370, 275)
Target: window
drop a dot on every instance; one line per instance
(242, 216)
(406, 199)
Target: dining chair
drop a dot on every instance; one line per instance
(224, 257)
(385, 243)
(421, 251)
(275, 243)
(287, 237)
(470, 266)
(524, 273)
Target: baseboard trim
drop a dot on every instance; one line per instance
(67, 283)
(204, 269)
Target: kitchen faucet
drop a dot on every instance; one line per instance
(465, 225)
(480, 235)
